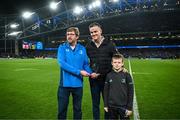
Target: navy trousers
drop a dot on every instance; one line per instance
(63, 101)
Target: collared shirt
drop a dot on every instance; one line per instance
(100, 42)
(100, 58)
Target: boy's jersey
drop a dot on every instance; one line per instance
(118, 90)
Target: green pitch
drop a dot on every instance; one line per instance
(28, 89)
(157, 85)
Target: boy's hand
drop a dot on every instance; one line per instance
(106, 109)
(128, 112)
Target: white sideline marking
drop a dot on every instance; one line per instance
(135, 106)
(23, 69)
(141, 73)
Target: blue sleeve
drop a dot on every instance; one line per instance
(63, 64)
(86, 65)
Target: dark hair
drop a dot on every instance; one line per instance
(95, 24)
(118, 56)
(74, 29)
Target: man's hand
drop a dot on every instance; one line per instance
(84, 73)
(125, 70)
(106, 109)
(94, 75)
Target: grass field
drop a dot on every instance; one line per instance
(157, 85)
(28, 89)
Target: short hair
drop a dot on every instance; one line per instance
(118, 56)
(74, 29)
(95, 24)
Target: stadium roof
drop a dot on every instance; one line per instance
(127, 16)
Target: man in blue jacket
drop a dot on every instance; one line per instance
(74, 64)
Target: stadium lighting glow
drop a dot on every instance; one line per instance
(90, 7)
(95, 4)
(14, 33)
(78, 10)
(14, 25)
(115, 1)
(54, 5)
(27, 14)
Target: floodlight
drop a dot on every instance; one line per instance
(90, 7)
(53, 5)
(95, 4)
(15, 33)
(14, 25)
(78, 10)
(115, 1)
(27, 14)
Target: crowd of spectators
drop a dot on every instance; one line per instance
(165, 53)
(151, 53)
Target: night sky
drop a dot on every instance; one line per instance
(8, 7)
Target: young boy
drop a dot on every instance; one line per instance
(118, 90)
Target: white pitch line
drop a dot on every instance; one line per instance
(141, 73)
(25, 69)
(135, 106)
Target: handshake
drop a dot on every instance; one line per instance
(86, 74)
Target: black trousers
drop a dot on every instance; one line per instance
(97, 89)
(117, 113)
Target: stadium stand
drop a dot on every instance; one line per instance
(144, 29)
